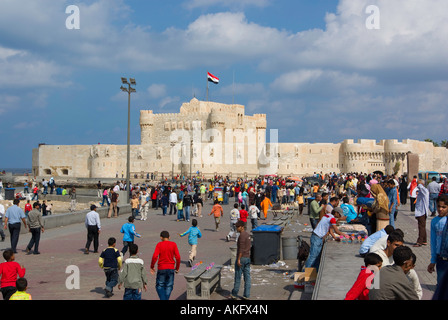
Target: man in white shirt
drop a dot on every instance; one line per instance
(381, 243)
(144, 205)
(394, 240)
(173, 202)
(421, 212)
(93, 226)
(326, 225)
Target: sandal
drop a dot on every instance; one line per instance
(417, 245)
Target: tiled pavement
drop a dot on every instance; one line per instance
(62, 247)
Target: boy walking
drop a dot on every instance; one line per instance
(180, 212)
(234, 217)
(133, 276)
(134, 205)
(128, 229)
(217, 213)
(244, 215)
(253, 214)
(193, 235)
(168, 257)
(110, 261)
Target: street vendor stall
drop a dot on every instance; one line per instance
(218, 194)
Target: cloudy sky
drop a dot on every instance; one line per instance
(322, 71)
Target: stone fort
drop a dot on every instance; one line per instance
(214, 138)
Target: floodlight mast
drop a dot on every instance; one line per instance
(129, 90)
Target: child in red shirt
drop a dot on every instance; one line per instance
(28, 207)
(243, 215)
(8, 272)
(361, 287)
(168, 255)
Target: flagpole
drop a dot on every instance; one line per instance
(233, 88)
(207, 85)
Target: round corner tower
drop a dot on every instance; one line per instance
(147, 126)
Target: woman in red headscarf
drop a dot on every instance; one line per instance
(412, 187)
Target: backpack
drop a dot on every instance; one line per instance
(304, 251)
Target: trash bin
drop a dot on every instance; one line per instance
(9, 193)
(289, 247)
(266, 244)
(233, 250)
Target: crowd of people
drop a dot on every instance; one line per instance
(377, 200)
(371, 200)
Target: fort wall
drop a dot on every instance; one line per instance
(218, 138)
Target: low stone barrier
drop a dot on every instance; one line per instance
(69, 218)
(208, 278)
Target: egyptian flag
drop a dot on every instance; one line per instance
(212, 78)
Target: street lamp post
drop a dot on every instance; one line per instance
(172, 144)
(191, 157)
(182, 147)
(129, 90)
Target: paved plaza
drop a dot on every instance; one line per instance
(62, 248)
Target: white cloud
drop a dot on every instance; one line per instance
(339, 69)
(192, 4)
(5, 53)
(225, 34)
(318, 80)
(157, 91)
(25, 125)
(168, 100)
(23, 69)
(412, 34)
(8, 103)
(242, 89)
